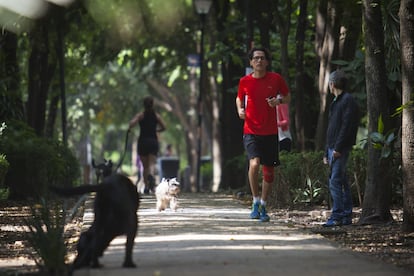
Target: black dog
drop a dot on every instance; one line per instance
(115, 207)
(102, 170)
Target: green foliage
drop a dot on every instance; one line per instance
(306, 176)
(35, 162)
(206, 171)
(381, 141)
(4, 166)
(4, 193)
(46, 236)
(399, 110)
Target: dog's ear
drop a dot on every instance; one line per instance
(93, 163)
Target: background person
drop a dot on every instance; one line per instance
(150, 123)
(341, 136)
(256, 104)
(168, 150)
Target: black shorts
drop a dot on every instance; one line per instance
(147, 146)
(266, 147)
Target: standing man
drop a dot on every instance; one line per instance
(256, 103)
(341, 136)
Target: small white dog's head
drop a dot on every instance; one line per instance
(173, 185)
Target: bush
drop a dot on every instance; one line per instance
(4, 164)
(357, 173)
(35, 162)
(305, 175)
(46, 236)
(305, 178)
(4, 167)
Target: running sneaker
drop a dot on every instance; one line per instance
(255, 214)
(332, 223)
(263, 214)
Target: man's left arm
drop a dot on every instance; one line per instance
(346, 125)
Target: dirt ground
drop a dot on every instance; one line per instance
(385, 242)
(15, 250)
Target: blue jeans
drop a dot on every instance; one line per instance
(339, 186)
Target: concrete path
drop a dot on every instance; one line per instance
(211, 234)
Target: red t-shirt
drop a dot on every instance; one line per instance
(261, 119)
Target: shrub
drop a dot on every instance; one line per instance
(4, 164)
(4, 167)
(35, 162)
(305, 175)
(46, 236)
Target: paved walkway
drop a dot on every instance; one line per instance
(211, 234)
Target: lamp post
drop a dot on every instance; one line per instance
(202, 8)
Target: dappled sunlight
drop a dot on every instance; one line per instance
(129, 19)
(213, 235)
(212, 223)
(19, 16)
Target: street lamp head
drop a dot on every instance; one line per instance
(202, 7)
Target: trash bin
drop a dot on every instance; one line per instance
(168, 167)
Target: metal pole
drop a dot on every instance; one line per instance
(200, 102)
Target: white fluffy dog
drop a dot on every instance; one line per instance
(167, 193)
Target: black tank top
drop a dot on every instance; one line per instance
(148, 126)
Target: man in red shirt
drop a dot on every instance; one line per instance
(258, 95)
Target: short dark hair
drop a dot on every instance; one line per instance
(338, 78)
(262, 49)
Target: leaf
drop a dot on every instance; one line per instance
(390, 138)
(380, 124)
(386, 152)
(377, 137)
(340, 62)
(377, 146)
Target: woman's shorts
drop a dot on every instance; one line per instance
(148, 146)
(266, 147)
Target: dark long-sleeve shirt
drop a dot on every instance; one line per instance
(343, 122)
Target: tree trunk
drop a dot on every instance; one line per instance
(377, 196)
(52, 113)
(350, 30)
(40, 73)
(300, 76)
(263, 12)
(60, 53)
(216, 146)
(327, 35)
(234, 176)
(282, 19)
(407, 62)
(11, 104)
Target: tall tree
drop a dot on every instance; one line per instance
(11, 105)
(282, 14)
(41, 71)
(300, 75)
(407, 64)
(377, 196)
(326, 42)
(233, 67)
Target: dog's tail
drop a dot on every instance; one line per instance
(79, 190)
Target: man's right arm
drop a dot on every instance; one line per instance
(240, 108)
